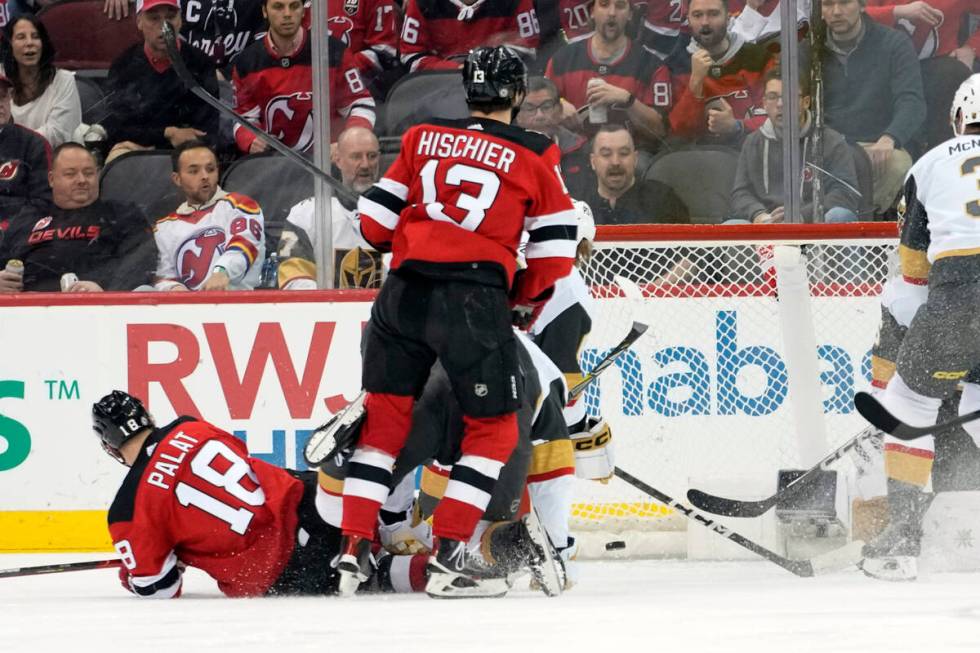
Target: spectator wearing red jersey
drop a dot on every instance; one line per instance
(436, 34)
(273, 82)
(717, 80)
(665, 27)
(369, 29)
(633, 86)
(935, 28)
(561, 21)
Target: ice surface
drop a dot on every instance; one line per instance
(617, 607)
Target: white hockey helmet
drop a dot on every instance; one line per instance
(966, 104)
(586, 223)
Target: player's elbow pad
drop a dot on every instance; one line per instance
(594, 458)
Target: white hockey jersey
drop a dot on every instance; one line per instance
(942, 206)
(228, 231)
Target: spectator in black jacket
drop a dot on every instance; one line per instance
(619, 197)
(24, 156)
(872, 92)
(106, 245)
(148, 104)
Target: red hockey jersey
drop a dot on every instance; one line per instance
(435, 30)
(663, 24)
(275, 93)
(369, 29)
(936, 41)
(637, 71)
(195, 497)
(576, 19)
(459, 196)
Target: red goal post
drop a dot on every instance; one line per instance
(759, 337)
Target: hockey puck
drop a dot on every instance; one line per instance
(615, 545)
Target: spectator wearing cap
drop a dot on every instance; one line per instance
(45, 98)
(149, 106)
(24, 158)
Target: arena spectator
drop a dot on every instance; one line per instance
(148, 105)
(717, 80)
(45, 98)
(665, 27)
(872, 92)
(611, 75)
(369, 30)
(935, 28)
(215, 240)
(619, 197)
(356, 264)
(24, 157)
(542, 112)
(105, 245)
(436, 34)
(758, 194)
(561, 22)
(273, 82)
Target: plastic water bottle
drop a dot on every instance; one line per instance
(15, 266)
(270, 272)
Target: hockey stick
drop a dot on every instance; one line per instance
(342, 192)
(324, 444)
(849, 554)
(637, 330)
(59, 568)
(872, 410)
(737, 508)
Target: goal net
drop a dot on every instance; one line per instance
(743, 371)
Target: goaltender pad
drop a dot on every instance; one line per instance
(759, 338)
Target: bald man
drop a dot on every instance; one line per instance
(356, 264)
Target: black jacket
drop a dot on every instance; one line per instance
(24, 160)
(646, 202)
(106, 242)
(142, 102)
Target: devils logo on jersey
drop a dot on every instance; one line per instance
(290, 119)
(340, 28)
(8, 170)
(196, 254)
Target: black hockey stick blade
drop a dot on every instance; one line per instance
(341, 191)
(802, 568)
(637, 330)
(872, 410)
(59, 568)
(746, 509)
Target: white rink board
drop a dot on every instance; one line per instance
(205, 351)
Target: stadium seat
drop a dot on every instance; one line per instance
(82, 35)
(420, 96)
(273, 181)
(142, 178)
(93, 98)
(702, 179)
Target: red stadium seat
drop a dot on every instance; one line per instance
(82, 35)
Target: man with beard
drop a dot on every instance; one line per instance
(872, 92)
(356, 264)
(717, 80)
(609, 73)
(621, 198)
(273, 82)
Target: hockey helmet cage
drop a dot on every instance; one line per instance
(966, 104)
(493, 75)
(585, 220)
(117, 417)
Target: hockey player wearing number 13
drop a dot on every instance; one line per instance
(452, 209)
(939, 247)
(194, 497)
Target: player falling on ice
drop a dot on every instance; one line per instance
(452, 209)
(940, 247)
(194, 497)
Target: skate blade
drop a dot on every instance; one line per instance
(546, 571)
(442, 585)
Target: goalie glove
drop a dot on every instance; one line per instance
(594, 458)
(408, 537)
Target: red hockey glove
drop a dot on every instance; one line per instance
(524, 311)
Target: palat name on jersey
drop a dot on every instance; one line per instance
(444, 145)
(182, 443)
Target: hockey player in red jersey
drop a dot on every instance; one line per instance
(194, 497)
(273, 80)
(452, 209)
(434, 31)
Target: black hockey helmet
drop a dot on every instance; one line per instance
(493, 76)
(117, 417)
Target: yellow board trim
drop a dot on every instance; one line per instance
(55, 530)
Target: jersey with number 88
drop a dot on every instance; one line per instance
(198, 498)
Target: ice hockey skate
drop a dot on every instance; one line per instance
(355, 564)
(453, 574)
